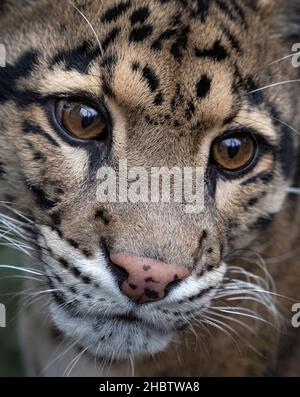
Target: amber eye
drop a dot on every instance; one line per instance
(235, 151)
(82, 120)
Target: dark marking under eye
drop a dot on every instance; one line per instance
(31, 128)
(264, 177)
(151, 78)
(9, 76)
(42, 200)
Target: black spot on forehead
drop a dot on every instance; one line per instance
(9, 76)
(203, 86)
(180, 43)
(217, 52)
(140, 15)
(140, 33)
(111, 37)
(234, 42)
(78, 58)
(151, 78)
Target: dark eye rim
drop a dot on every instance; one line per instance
(51, 108)
(250, 163)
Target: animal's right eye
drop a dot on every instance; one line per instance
(234, 152)
(82, 120)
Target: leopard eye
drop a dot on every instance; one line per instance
(82, 120)
(234, 152)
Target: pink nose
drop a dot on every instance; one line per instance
(148, 279)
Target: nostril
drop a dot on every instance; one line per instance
(171, 286)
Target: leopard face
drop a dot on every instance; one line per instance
(160, 84)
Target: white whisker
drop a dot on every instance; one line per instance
(90, 25)
(274, 85)
(286, 57)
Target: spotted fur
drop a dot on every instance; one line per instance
(174, 75)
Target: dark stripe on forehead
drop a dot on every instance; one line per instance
(203, 86)
(2, 170)
(201, 9)
(111, 37)
(78, 58)
(9, 76)
(234, 42)
(180, 44)
(262, 177)
(232, 10)
(217, 52)
(167, 34)
(148, 74)
(140, 33)
(140, 15)
(151, 78)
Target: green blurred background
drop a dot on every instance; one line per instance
(10, 357)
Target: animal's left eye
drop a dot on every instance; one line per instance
(234, 152)
(82, 120)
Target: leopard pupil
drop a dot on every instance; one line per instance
(233, 147)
